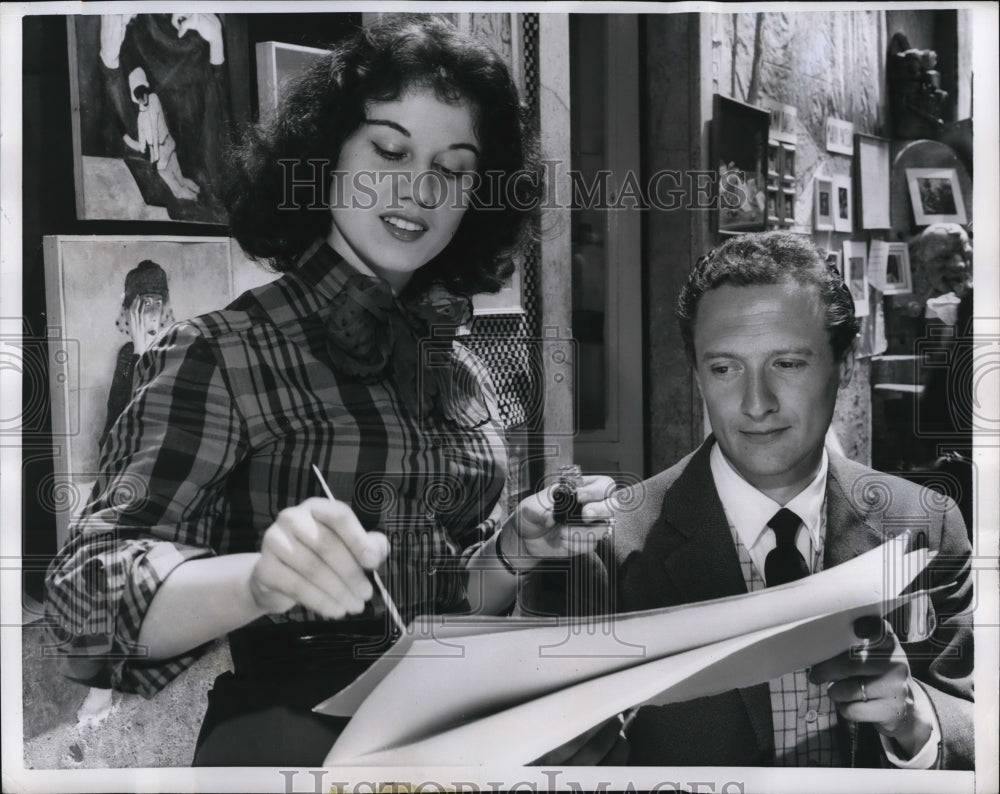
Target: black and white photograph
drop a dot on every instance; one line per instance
(935, 196)
(855, 272)
(823, 204)
(843, 216)
(499, 397)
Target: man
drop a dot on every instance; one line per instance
(769, 330)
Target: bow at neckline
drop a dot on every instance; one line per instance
(409, 340)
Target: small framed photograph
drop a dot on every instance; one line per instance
(843, 214)
(855, 272)
(839, 136)
(773, 159)
(740, 151)
(788, 207)
(772, 206)
(936, 196)
(833, 261)
(871, 181)
(889, 267)
(788, 162)
(898, 278)
(823, 216)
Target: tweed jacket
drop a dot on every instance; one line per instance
(672, 545)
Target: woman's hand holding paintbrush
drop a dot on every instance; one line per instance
(317, 554)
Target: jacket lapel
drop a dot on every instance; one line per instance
(851, 529)
(700, 560)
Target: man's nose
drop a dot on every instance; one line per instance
(759, 398)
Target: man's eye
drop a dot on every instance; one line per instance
(721, 369)
(790, 364)
(388, 154)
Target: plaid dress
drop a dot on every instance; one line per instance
(231, 411)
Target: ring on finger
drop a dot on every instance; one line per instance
(864, 693)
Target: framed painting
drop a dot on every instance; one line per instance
(154, 101)
(740, 152)
(843, 213)
(871, 181)
(855, 272)
(935, 195)
(109, 297)
(277, 63)
(823, 205)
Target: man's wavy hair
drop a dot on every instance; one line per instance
(327, 103)
(752, 260)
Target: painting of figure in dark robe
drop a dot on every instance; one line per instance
(114, 296)
(154, 109)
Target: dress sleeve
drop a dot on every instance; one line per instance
(159, 500)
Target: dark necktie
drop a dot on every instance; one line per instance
(784, 562)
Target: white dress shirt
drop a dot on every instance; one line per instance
(748, 511)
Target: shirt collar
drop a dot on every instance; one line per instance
(749, 510)
(324, 269)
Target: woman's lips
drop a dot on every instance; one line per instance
(403, 228)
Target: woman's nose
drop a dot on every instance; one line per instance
(424, 187)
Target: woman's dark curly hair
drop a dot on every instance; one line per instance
(767, 258)
(327, 104)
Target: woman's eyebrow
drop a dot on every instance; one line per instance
(391, 124)
(403, 131)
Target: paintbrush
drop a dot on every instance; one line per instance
(389, 605)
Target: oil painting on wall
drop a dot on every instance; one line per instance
(155, 99)
(112, 296)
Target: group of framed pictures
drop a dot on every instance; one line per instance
(935, 193)
(884, 266)
(780, 183)
(833, 207)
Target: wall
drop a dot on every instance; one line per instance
(672, 139)
(828, 63)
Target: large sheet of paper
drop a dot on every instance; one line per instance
(471, 677)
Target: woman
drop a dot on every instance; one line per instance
(207, 517)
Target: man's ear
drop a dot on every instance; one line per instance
(693, 364)
(847, 366)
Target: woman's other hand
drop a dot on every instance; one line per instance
(316, 554)
(533, 531)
